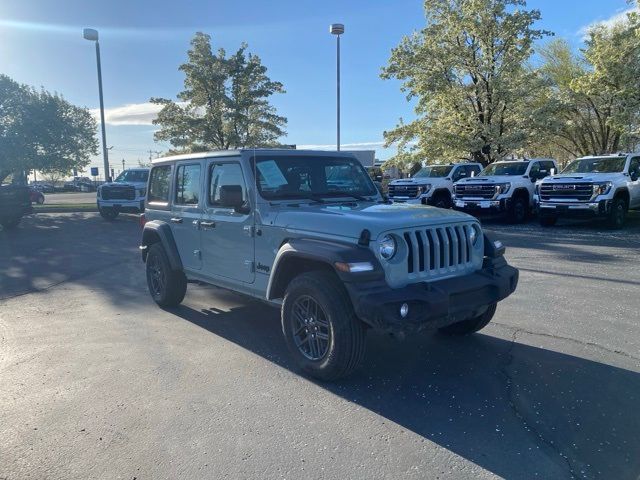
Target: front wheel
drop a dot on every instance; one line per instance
(442, 201)
(320, 327)
(617, 214)
(11, 223)
(470, 325)
(519, 210)
(167, 286)
(108, 213)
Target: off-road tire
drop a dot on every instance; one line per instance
(548, 221)
(109, 213)
(617, 213)
(470, 325)
(10, 224)
(171, 290)
(442, 200)
(518, 211)
(346, 339)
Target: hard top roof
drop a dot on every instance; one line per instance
(258, 151)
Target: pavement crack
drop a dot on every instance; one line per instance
(569, 339)
(504, 369)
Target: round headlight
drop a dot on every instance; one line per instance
(474, 234)
(387, 246)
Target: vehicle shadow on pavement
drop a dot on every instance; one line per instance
(516, 410)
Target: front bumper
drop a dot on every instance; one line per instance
(436, 304)
(495, 207)
(131, 206)
(410, 200)
(574, 210)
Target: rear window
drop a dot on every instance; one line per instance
(159, 184)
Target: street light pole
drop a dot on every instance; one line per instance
(337, 29)
(92, 35)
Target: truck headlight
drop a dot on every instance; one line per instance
(474, 234)
(422, 189)
(536, 189)
(502, 188)
(601, 188)
(387, 247)
(142, 192)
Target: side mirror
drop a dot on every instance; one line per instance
(634, 176)
(231, 197)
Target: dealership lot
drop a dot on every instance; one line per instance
(97, 382)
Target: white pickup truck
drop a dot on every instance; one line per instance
(432, 185)
(589, 187)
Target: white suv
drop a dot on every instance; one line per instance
(504, 188)
(432, 185)
(599, 186)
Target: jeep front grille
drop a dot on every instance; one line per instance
(403, 191)
(118, 193)
(566, 192)
(475, 190)
(437, 251)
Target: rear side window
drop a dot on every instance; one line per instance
(188, 185)
(223, 174)
(473, 169)
(159, 184)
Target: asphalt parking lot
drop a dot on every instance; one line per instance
(97, 382)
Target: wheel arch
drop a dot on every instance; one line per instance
(299, 256)
(623, 193)
(160, 232)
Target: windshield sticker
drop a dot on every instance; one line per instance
(272, 174)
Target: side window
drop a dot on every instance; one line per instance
(188, 185)
(474, 170)
(461, 172)
(160, 184)
(634, 166)
(222, 174)
(548, 166)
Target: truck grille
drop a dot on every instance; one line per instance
(403, 191)
(581, 192)
(475, 190)
(437, 251)
(118, 193)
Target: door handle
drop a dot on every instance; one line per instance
(176, 220)
(208, 224)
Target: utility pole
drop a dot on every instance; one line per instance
(123, 164)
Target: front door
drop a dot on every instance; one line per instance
(227, 235)
(186, 211)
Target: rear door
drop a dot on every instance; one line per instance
(186, 212)
(227, 235)
(634, 185)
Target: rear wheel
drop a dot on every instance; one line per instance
(167, 286)
(548, 221)
(320, 327)
(11, 223)
(618, 213)
(519, 209)
(109, 213)
(470, 325)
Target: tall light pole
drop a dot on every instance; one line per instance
(337, 29)
(92, 35)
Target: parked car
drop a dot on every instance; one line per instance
(36, 196)
(432, 185)
(589, 187)
(503, 188)
(43, 187)
(14, 204)
(308, 233)
(126, 193)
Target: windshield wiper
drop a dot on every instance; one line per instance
(352, 195)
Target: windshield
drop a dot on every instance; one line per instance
(301, 177)
(134, 176)
(435, 171)
(596, 165)
(505, 168)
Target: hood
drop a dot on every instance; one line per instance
(581, 177)
(350, 219)
(491, 180)
(418, 181)
(125, 184)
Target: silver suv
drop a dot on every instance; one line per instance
(589, 187)
(308, 233)
(432, 185)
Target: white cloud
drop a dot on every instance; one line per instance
(616, 19)
(131, 114)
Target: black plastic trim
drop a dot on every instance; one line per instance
(163, 231)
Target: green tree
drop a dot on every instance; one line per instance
(42, 131)
(468, 71)
(225, 102)
(595, 94)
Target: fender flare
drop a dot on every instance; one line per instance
(162, 231)
(320, 251)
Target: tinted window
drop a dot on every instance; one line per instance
(505, 168)
(473, 169)
(188, 185)
(634, 166)
(596, 165)
(160, 184)
(435, 171)
(133, 176)
(225, 174)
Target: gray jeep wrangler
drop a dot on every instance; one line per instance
(309, 233)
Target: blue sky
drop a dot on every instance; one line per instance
(143, 43)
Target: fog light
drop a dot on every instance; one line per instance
(404, 310)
